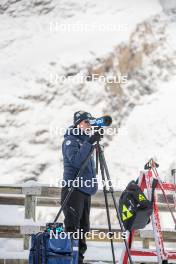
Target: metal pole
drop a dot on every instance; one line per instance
(106, 202)
(111, 189)
(173, 173)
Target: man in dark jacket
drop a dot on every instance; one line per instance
(76, 147)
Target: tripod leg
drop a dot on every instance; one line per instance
(107, 210)
(102, 158)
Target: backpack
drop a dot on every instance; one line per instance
(135, 208)
(55, 250)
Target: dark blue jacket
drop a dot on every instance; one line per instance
(75, 149)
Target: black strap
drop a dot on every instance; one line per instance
(130, 239)
(154, 184)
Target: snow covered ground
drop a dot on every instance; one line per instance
(97, 253)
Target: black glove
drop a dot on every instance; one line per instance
(95, 137)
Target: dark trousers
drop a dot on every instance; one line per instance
(77, 212)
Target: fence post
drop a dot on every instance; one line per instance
(30, 205)
(145, 243)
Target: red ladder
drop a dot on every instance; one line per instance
(145, 182)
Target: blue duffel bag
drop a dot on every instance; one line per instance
(62, 249)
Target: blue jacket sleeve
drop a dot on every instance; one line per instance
(76, 154)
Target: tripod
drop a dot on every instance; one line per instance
(100, 159)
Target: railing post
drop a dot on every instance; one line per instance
(30, 205)
(145, 243)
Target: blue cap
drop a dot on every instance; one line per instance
(80, 116)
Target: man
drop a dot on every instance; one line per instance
(76, 147)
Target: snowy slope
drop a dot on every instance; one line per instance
(30, 53)
(150, 129)
(168, 5)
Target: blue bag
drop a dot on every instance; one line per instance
(59, 250)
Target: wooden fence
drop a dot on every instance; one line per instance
(31, 197)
